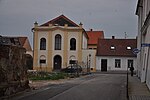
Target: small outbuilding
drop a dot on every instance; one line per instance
(115, 54)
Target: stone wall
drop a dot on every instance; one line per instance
(13, 71)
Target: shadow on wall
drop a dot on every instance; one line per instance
(29, 62)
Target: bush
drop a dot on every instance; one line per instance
(57, 76)
(47, 76)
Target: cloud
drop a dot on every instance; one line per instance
(112, 16)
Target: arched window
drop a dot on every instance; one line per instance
(42, 59)
(72, 44)
(58, 42)
(42, 44)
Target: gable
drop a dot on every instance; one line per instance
(61, 21)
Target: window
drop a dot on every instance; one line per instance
(42, 44)
(117, 63)
(42, 61)
(58, 42)
(72, 44)
(73, 62)
(130, 63)
(128, 48)
(112, 47)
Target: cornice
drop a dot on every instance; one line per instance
(42, 28)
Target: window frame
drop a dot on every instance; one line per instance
(73, 44)
(117, 63)
(58, 40)
(112, 47)
(130, 61)
(42, 44)
(42, 61)
(128, 47)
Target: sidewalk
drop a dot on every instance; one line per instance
(137, 90)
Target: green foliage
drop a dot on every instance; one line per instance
(47, 76)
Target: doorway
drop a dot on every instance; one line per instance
(57, 62)
(103, 64)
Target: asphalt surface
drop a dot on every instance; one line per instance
(91, 87)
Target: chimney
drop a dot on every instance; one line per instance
(113, 37)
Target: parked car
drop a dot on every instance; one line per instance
(72, 69)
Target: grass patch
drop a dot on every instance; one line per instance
(47, 76)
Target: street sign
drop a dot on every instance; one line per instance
(145, 45)
(135, 51)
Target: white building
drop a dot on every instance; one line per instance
(143, 40)
(115, 54)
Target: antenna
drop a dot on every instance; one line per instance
(125, 35)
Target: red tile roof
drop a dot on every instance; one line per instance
(94, 36)
(25, 43)
(61, 20)
(103, 47)
(22, 40)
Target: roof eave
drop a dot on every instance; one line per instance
(139, 4)
(117, 55)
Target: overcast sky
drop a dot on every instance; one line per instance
(114, 17)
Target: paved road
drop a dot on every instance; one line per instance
(92, 87)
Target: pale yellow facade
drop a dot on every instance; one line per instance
(50, 59)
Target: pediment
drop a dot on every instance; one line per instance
(61, 21)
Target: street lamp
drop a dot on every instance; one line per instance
(87, 64)
(127, 83)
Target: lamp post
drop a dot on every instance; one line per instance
(89, 63)
(127, 83)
